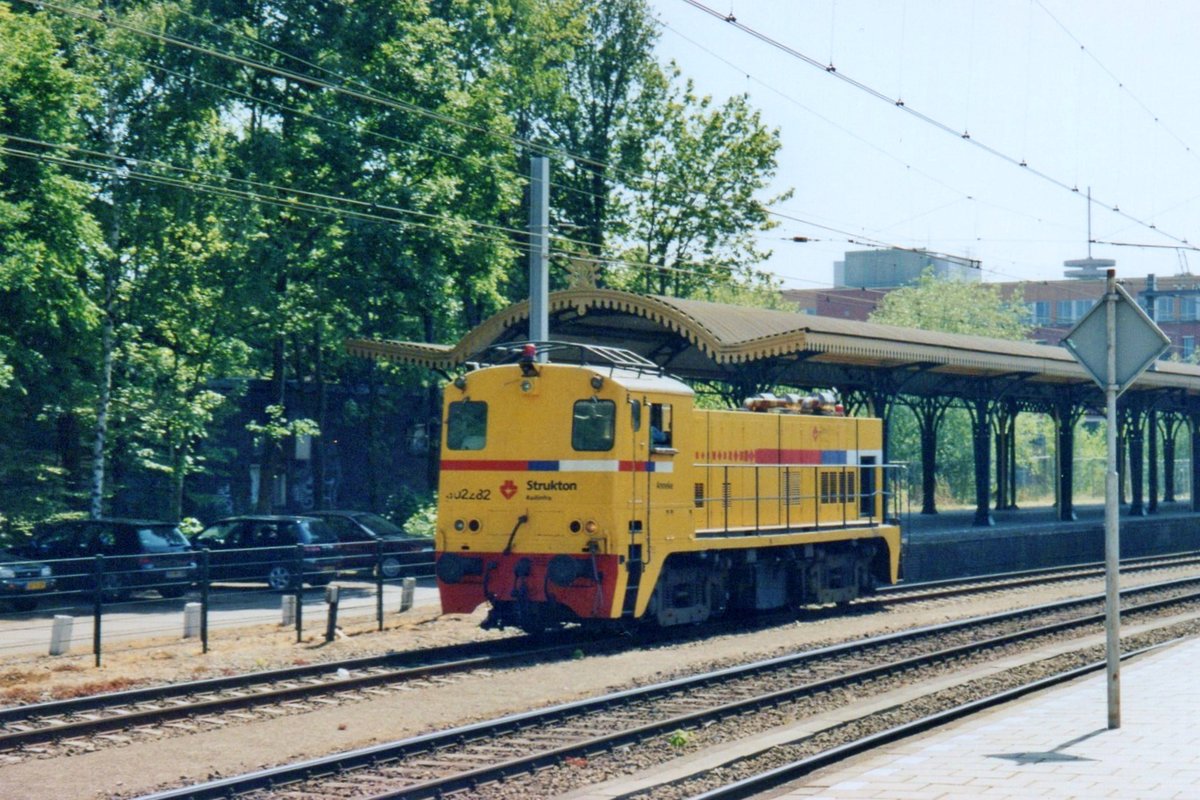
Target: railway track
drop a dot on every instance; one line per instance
(65, 721)
(931, 590)
(61, 727)
(540, 753)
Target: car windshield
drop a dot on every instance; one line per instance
(161, 539)
(318, 531)
(379, 526)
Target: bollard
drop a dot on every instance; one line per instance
(331, 599)
(289, 610)
(60, 634)
(406, 594)
(191, 620)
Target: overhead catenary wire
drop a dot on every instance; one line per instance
(858, 238)
(125, 173)
(369, 94)
(372, 95)
(1120, 84)
(363, 210)
(906, 108)
(366, 94)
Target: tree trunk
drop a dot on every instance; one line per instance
(100, 433)
(107, 336)
(318, 445)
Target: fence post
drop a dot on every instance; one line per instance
(379, 583)
(331, 600)
(299, 593)
(204, 600)
(97, 606)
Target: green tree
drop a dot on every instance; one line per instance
(613, 86)
(954, 306)
(695, 213)
(936, 429)
(49, 248)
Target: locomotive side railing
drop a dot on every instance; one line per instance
(752, 499)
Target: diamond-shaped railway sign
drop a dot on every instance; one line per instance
(1138, 341)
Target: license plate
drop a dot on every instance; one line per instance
(33, 586)
(174, 573)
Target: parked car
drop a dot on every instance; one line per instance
(139, 554)
(358, 531)
(23, 581)
(263, 548)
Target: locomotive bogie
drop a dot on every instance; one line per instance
(575, 493)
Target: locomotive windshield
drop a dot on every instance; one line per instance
(466, 425)
(592, 424)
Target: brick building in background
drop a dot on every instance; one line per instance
(866, 276)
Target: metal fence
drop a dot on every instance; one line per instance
(126, 599)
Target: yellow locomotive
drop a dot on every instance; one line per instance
(590, 488)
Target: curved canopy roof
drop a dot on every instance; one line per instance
(695, 339)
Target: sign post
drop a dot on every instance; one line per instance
(1093, 343)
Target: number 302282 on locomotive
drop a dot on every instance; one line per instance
(590, 489)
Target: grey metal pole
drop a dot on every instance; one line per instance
(1112, 546)
(539, 248)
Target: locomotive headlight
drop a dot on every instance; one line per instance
(590, 526)
(459, 525)
(526, 386)
(597, 382)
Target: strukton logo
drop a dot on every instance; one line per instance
(508, 489)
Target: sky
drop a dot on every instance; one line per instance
(1099, 94)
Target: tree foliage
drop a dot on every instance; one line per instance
(204, 194)
(954, 306)
(951, 306)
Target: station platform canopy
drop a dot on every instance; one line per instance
(704, 341)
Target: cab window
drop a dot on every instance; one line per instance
(592, 424)
(466, 425)
(661, 434)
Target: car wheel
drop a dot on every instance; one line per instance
(281, 578)
(391, 567)
(171, 592)
(111, 588)
(24, 603)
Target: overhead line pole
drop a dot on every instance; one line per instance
(539, 248)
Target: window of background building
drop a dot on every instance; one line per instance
(1189, 346)
(1039, 312)
(1188, 309)
(1164, 309)
(1064, 312)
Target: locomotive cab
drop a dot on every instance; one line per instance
(543, 477)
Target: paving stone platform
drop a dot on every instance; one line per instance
(1054, 744)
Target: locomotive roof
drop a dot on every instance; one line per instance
(622, 366)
